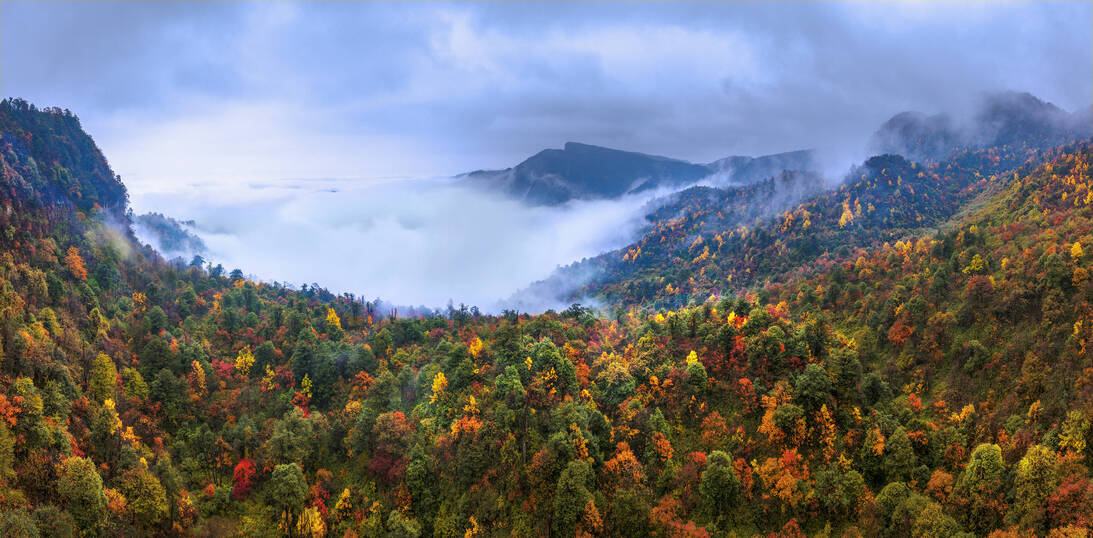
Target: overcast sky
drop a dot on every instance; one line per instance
(181, 93)
(282, 129)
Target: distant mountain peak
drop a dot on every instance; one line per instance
(585, 171)
(1001, 119)
(576, 146)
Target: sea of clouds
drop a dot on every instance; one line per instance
(407, 241)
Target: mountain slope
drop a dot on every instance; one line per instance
(47, 156)
(168, 236)
(681, 227)
(885, 198)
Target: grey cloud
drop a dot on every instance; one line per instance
(822, 73)
(184, 95)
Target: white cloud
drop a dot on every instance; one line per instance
(216, 142)
(409, 242)
(624, 54)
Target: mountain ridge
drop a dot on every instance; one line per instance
(882, 199)
(581, 171)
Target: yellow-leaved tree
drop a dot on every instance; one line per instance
(311, 524)
(439, 384)
(476, 347)
(333, 325)
(306, 385)
(847, 215)
(244, 360)
(332, 319)
(197, 381)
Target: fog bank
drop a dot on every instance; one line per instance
(411, 242)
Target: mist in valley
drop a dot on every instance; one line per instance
(411, 242)
(227, 115)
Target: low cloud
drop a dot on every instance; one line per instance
(411, 242)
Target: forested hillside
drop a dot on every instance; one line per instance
(919, 367)
(700, 246)
(705, 242)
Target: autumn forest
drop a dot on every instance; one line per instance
(901, 349)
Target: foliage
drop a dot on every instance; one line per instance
(852, 379)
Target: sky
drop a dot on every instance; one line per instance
(220, 109)
(217, 91)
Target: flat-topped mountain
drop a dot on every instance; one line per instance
(585, 172)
